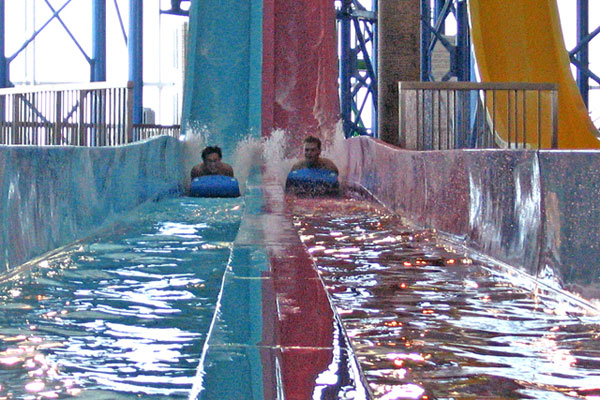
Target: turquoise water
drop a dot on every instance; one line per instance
(121, 315)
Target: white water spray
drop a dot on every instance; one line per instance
(268, 152)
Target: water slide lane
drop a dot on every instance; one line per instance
(274, 333)
(222, 85)
(522, 41)
(300, 92)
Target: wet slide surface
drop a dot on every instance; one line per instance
(522, 41)
(300, 70)
(283, 339)
(123, 314)
(427, 321)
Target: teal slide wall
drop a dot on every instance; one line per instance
(222, 89)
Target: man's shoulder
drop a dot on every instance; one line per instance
(299, 165)
(198, 170)
(227, 169)
(328, 164)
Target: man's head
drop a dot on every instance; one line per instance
(211, 156)
(312, 149)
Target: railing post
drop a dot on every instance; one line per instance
(58, 119)
(554, 111)
(135, 49)
(402, 117)
(82, 130)
(129, 116)
(15, 129)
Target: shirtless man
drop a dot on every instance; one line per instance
(211, 164)
(312, 156)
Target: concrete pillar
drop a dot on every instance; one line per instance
(398, 53)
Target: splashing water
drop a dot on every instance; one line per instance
(251, 152)
(334, 148)
(278, 161)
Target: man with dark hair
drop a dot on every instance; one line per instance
(312, 156)
(211, 164)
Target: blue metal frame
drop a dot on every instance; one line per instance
(358, 68)
(433, 26)
(4, 70)
(580, 54)
(176, 8)
(135, 49)
(98, 62)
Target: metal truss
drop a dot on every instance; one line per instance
(179, 7)
(579, 55)
(96, 61)
(434, 15)
(357, 24)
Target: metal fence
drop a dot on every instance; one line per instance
(92, 114)
(468, 115)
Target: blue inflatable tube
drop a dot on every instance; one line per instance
(214, 186)
(312, 182)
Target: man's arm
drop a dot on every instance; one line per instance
(330, 165)
(198, 170)
(227, 169)
(298, 165)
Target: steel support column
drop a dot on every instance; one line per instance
(4, 69)
(438, 14)
(135, 49)
(176, 8)
(98, 62)
(346, 61)
(463, 42)
(433, 32)
(357, 69)
(425, 41)
(583, 55)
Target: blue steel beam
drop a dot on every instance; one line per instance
(426, 34)
(68, 31)
(583, 55)
(463, 42)
(583, 69)
(432, 31)
(346, 60)
(358, 69)
(98, 61)
(135, 51)
(176, 8)
(121, 24)
(37, 32)
(4, 70)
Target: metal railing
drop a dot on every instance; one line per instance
(146, 131)
(468, 115)
(92, 114)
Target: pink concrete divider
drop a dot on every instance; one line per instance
(428, 191)
(491, 200)
(538, 211)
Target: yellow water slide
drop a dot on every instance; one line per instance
(521, 41)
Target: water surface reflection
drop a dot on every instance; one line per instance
(122, 315)
(427, 321)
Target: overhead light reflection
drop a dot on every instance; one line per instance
(394, 392)
(35, 386)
